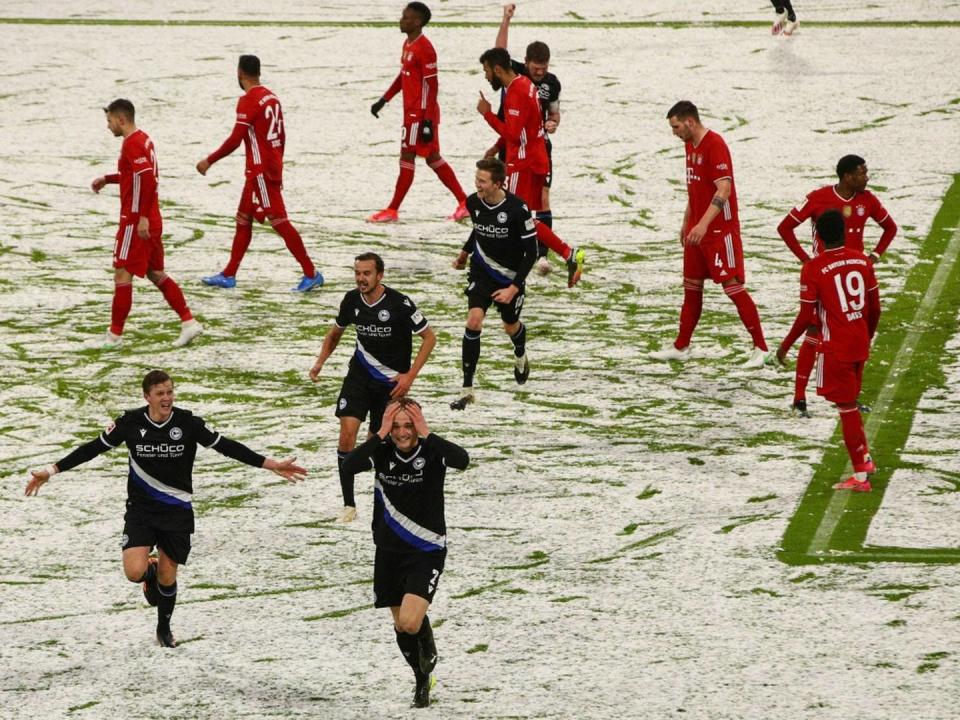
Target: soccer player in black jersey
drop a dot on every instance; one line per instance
(162, 441)
(409, 528)
(536, 66)
(380, 368)
(502, 250)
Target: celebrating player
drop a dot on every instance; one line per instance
(536, 66)
(502, 249)
(409, 528)
(139, 247)
(840, 284)
(420, 134)
(851, 197)
(380, 368)
(710, 234)
(526, 152)
(162, 443)
(260, 128)
(786, 22)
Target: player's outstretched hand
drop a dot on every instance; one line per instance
(377, 107)
(37, 480)
(98, 183)
(203, 166)
(419, 422)
(483, 105)
(386, 423)
(508, 10)
(286, 469)
(461, 261)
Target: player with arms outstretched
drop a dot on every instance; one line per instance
(259, 126)
(420, 135)
(139, 246)
(710, 234)
(857, 205)
(839, 284)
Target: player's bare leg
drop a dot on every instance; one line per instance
(416, 642)
(747, 310)
(120, 308)
(449, 179)
(189, 327)
(349, 429)
(517, 332)
(690, 313)
(855, 438)
(408, 168)
(470, 356)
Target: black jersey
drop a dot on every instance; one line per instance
(503, 243)
(408, 490)
(385, 332)
(161, 455)
(548, 88)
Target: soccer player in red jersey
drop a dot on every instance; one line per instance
(839, 284)
(522, 133)
(421, 114)
(139, 248)
(710, 234)
(259, 127)
(857, 204)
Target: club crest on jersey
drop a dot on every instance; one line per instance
(176, 433)
(501, 217)
(847, 211)
(419, 463)
(342, 403)
(383, 315)
(861, 211)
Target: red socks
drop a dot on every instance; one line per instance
(689, 313)
(241, 241)
(748, 313)
(404, 181)
(295, 245)
(174, 297)
(448, 178)
(854, 436)
(806, 357)
(122, 302)
(549, 238)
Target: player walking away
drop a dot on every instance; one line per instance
(502, 249)
(380, 369)
(786, 22)
(857, 204)
(409, 529)
(260, 128)
(162, 441)
(526, 151)
(536, 66)
(420, 134)
(139, 246)
(839, 284)
(710, 234)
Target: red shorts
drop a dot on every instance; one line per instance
(837, 380)
(717, 258)
(136, 255)
(410, 140)
(528, 186)
(262, 197)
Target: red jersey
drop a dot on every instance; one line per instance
(841, 280)
(138, 178)
(260, 126)
(522, 127)
(706, 163)
(418, 80)
(855, 212)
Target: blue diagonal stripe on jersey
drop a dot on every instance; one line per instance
(405, 528)
(158, 490)
(378, 370)
(497, 272)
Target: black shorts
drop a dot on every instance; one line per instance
(548, 182)
(360, 395)
(396, 574)
(481, 286)
(169, 532)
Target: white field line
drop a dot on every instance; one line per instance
(838, 503)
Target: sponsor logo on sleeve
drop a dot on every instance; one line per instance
(529, 224)
(417, 317)
(514, 112)
(342, 403)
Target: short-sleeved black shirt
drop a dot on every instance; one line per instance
(504, 239)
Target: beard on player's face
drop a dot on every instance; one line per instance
(496, 84)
